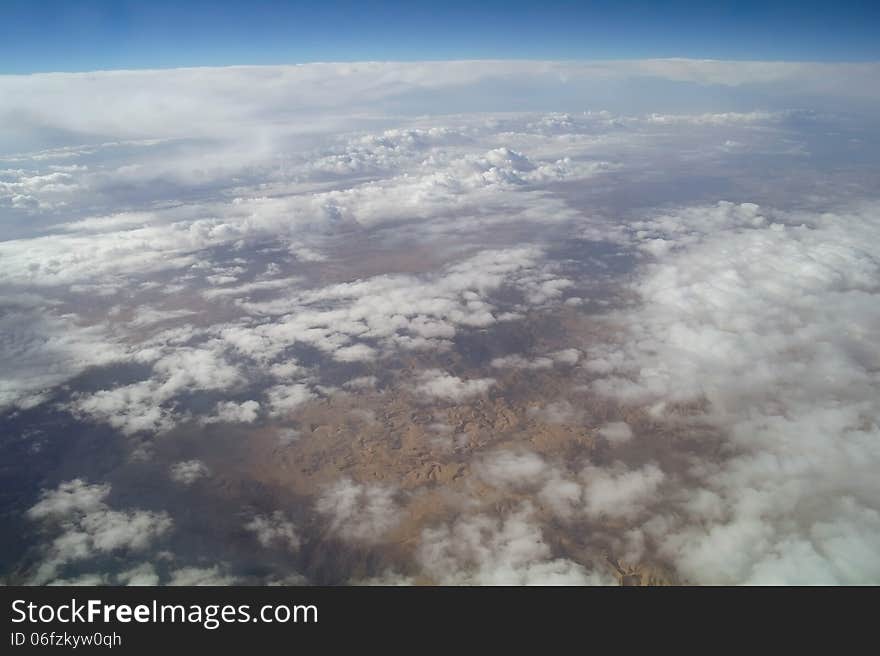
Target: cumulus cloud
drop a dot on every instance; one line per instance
(519, 362)
(286, 398)
(361, 382)
(558, 412)
(214, 575)
(139, 406)
(188, 472)
(619, 491)
(69, 498)
(767, 317)
(392, 311)
(513, 468)
(441, 385)
(143, 575)
(41, 351)
(359, 512)
(568, 356)
(483, 550)
(354, 353)
(147, 316)
(274, 530)
(599, 492)
(616, 432)
(232, 412)
(83, 526)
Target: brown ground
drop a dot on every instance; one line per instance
(426, 450)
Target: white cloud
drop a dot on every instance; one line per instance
(206, 101)
(139, 406)
(286, 398)
(361, 382)
(188, 472)
(248, 288)
(274, 530)
(396, 311)
(84, 526)
(83, 579)
(482, 550)
(513, 468)
(231, 412)
(286, 370)
(355, 353)
(359, 512)
(213, 575)
(769, 318)
(143, 574)
(441, 385)
(519, 362)
(133, 408)
(569, 356)
(41, 351)
(69, 498)
(615, 491)
(616, 432)
(147, 316)
(558, 412)
(619, 491)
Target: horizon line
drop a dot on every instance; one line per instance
(605, 60)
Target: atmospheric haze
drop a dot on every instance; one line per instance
(483, 322)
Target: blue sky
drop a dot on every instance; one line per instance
(77, 35)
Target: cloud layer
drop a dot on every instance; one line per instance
(464, 322)
(771, 319)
